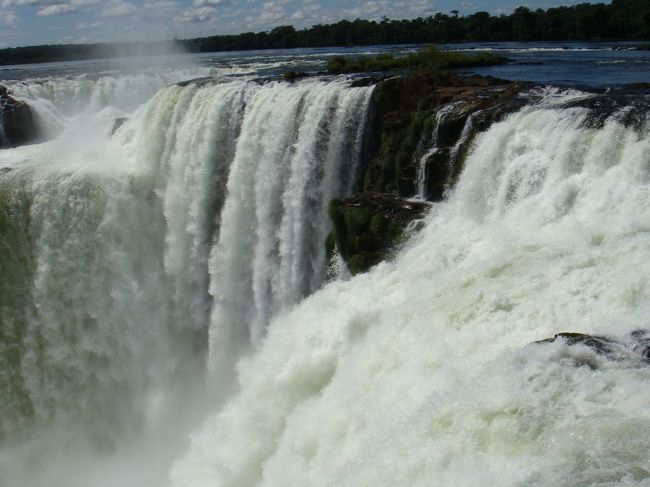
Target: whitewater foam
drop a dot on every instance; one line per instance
(113, 257)
(422, 371)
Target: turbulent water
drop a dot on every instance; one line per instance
(141, 271)
(203, 216)
(422, 372)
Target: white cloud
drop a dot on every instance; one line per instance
(75, 40)
(201, 3)
(8, 18)
(89, 25)
(164, 4)
(47, 3)
(48, 8)
(118, 8)
(59, 9)
(197, 15)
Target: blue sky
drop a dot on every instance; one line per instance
(29, 22)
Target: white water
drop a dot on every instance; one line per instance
(298, 149)
(203, 217)
(60, 101)
(433, 145)
(422, 372)
(112, 255)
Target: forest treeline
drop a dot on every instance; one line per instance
(619, 20)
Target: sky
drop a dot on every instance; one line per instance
(33, 22)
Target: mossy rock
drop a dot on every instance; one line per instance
(293, 75)
(403, 115)
(356, 219)
(361, 262)
(369, 226)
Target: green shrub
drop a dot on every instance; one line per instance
(427, 59)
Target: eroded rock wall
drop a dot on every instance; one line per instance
(18, 125)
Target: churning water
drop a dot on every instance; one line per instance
(163, 319)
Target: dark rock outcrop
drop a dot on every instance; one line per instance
(405, 117)
(18, 124)
(633, 347)
(600, 344)
(117, 123)
(418, 121)
(294, 76)
(628, 105)
(369, 225)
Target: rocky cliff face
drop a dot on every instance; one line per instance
(420, 129)
(423, 123)
(18, 124)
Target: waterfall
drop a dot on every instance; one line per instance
(460, 147)
(58, 99)
(424, 371)
(298, 149)
(433, 144)
(204, 214)
(4, 140)
(164, 318)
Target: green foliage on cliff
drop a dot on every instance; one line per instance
(351, 236)
(404, 111)
(368, 226)
(429, 59)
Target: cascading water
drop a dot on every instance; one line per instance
(423, 371)
(298, 149)
(457, 152)
(120, 253)
(433, 144)
(57, 100)
(129, 261)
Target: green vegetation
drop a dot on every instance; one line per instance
(293, 76)
(621, 19)
(429, 59)
(367, 227)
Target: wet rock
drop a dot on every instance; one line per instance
(634, 347)
(642, 343)
(18, 124)
(117, 123)
(627, 104)
(368, 81)
(637, 86)
(599, 344)
(368, 226)
(293, 75)
(405, 115)
(405, 121)
(206, 80)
